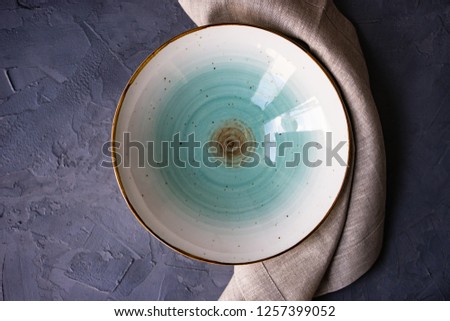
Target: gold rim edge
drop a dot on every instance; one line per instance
(350, 155)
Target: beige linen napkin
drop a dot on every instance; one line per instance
(349, 241)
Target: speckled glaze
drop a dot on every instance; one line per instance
(231, 83)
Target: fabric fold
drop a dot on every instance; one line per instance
(348, 242)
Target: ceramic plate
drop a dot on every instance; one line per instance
(231, 143)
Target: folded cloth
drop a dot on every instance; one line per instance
(347, 244)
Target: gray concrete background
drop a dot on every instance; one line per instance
(65, 231)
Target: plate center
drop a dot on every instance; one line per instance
(231, 140)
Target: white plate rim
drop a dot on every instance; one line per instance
(327, 73)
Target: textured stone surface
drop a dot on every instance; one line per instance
(407, 47)
(65, 231)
